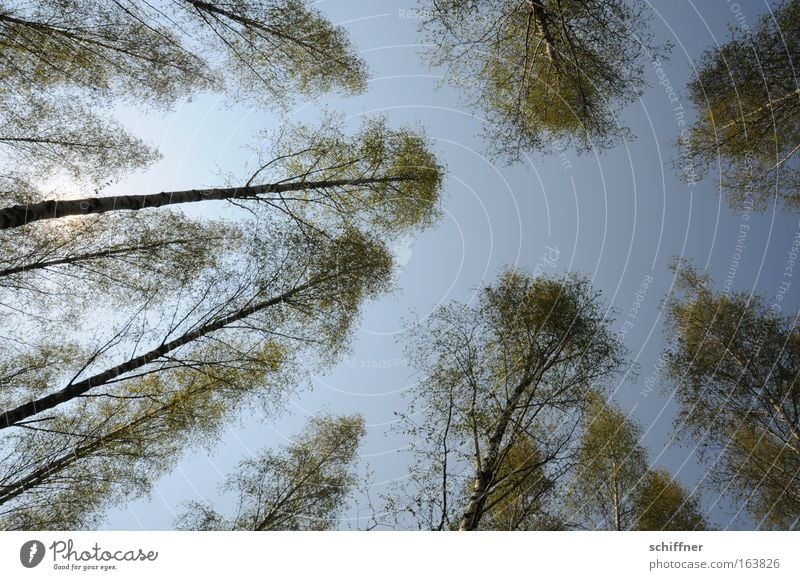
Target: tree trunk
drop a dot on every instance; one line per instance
(31, 408)
(39, 476)
(19, 215)
(477, 499)
(489, 464)
(42, 264)
(542, 27)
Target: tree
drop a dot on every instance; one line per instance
(501, 395)
(248, 334)
(662, 504)
(320, 179)
(279, 47)
(387, 177)
(126, 258)
(614, 489)
(144, 52)
(525, 497)
(611, 467)
(545, 73)
(302, 487)
(293, 272)
(748, 112)
(335, 278)
(40, 135)
(62, 473)
(734, 363)
(110, 49)
(61, 61)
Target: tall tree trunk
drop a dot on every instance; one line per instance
(617, 507)
(490, 463)
(543, 27)
(31, 408)
(78, 258)
(40, 475)
(19, 215)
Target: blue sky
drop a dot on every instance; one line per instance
(617, 217)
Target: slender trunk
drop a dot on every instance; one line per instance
(41, 265)
(31, 408)
(19, 215)
(477, 499)
(617, 507)
(489, 464)
(39, 476)
(543, 27)
(59, 142)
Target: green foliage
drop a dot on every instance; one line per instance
(112, 446)
(41, 135)
(614, 489)
(611, 467)
(503, 383)
(522, 497)
(734, 362)
(107, 48)
(301, 487)
(125, 258)
(662, 504)
(545, 72)
(748, 105)
(158, 53)
(395, 179)
(62, 469)
(61, 61)
(179, 323)
(275, 48)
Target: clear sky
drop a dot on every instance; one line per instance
(617, 217)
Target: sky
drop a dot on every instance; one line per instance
(618, 217)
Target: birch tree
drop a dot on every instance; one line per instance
(663, 504)
(734, 367)
(117, 261)
(303, 486)
(43, 135)
(379, 175)
(747, 99)
(613, 486)
(127, 410)
(611, 468)
(151, 53)
(62, 62)
(501, 395)
(544, 73)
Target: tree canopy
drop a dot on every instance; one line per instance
(748, 104)
(544, 72)
(301, 487)
(614, 488)
(62, 62)
(502, 392)
(734, 363)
